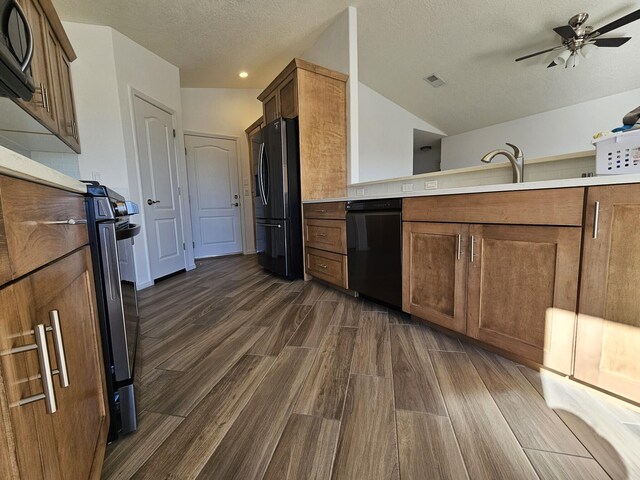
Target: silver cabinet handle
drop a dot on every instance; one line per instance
(70, 221)
(40, 91)
(596, 219)
(472, 248)
(321, 234)
(48, 394)
(63, 374)
(269, 225)
(322, 265)
(45, 97)
(459, 246)
(322, 211)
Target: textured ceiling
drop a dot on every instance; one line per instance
(471, 44)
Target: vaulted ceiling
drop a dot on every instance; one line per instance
(470, 44)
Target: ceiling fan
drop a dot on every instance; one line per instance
(578, 38)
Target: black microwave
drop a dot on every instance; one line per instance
(16, 52)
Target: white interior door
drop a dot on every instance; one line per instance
(159, 178)
(212, 168)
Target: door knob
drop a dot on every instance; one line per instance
(235, 196)
(236, 204)
(151, 202)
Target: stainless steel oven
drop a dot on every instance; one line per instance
(112, 236)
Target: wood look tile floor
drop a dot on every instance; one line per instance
(242, 375)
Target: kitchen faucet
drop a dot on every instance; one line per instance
(516, 158)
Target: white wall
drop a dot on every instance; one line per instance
(96, 95)
(337, 49)
(565, 130)
(386, 137)
(224, 111)
(109, 68)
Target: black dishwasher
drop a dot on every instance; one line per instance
(374, 249)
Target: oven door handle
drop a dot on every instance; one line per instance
(29, 34)
(131, 231)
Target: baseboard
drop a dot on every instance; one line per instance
(142, 286)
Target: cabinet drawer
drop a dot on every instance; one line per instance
(35, 219)
(330, 235)
(332, 210)
(560, 206)
(327, 266)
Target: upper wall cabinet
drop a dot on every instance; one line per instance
(52, 105)
(318, 98)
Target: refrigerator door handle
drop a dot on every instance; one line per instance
(260, 170)
(265, 185)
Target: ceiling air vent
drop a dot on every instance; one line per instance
(434, 80)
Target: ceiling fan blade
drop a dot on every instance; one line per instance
(565, 31)
(632, 17)
(611, 42)
(540, 53)
(552, 64)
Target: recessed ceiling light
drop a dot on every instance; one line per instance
(243, 74)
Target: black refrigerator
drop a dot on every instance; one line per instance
(276, 171)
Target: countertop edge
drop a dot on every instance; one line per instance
(501, 187)
(13, 164)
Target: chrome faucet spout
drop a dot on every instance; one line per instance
(516, 159)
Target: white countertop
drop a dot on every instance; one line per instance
(13, 164)
(502, 187)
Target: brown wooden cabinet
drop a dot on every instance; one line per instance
(318, 98)
(435, 273)
(608, 336)
(53, 103)
(522, 290)
(325, 242)
(511, 286)
(40, 441)
(42, 105)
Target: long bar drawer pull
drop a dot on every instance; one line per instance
(48, 395)
(596, 219)
(70, 221)
(472, 248)
(459, 247)
(63, 374)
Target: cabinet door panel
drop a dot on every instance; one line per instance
(68, 120)
(70, 440)
(288, 93)
(522, 290)
(271, 107)
(434, 273)
(608, 336)
(41, 105)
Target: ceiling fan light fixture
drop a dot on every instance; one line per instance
(573, 61)
(563, 57)
(588, 50)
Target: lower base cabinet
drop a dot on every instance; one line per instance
(514, 287)
(523, 290)
(70, 441)
(608, 336)
(435, 273)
